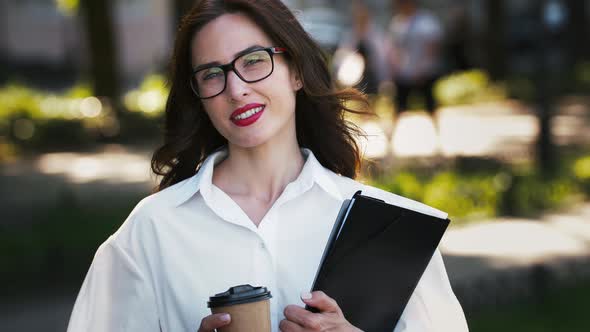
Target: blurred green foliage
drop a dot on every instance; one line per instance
(581, 170)
(468, 87)
(457, 88)
(74, 119)
(476, 188)
(31, 118)
(150, 97)
(582, 75)
(463, 195)
(19, 100)
(476, 86)
(533, 192)
(67, 7)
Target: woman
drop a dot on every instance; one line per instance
(256, 163)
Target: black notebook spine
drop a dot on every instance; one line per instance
(338, 225)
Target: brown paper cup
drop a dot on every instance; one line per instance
(246, 317)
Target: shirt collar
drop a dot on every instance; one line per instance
(312, 172)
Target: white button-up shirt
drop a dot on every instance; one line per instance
(191, 240)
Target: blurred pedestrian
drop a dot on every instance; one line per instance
(457, 38)
(366, 40)
(415, 57)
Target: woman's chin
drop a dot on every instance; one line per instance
(260, 137)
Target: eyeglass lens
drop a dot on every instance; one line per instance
(250, 67)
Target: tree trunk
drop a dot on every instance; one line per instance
(546, 81)
(104, 69)
(495, 44)
(578, 30)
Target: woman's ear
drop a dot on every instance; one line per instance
(296, 83)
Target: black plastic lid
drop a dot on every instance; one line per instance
(238, 295)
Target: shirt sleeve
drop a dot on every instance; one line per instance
(115, 296)
(433, 306)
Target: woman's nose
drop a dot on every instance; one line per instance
(235, 86)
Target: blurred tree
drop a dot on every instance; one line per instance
(578, 30)
(494, 40)
(551, 63)
(99, 28)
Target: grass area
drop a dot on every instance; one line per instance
(561, 310)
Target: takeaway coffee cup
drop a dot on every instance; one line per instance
(248, 306)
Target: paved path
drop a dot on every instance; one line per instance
(496, 261)
(45, 314)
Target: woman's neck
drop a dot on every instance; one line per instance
(262, 172)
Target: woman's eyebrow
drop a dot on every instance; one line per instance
(217, 63)
(246, 50)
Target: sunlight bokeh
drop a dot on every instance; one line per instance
(85, 167)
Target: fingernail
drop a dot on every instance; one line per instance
(305, 295)
(225, 317)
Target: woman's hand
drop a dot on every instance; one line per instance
(330, 317)
(212, 322)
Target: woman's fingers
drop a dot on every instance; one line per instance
(329, 318)
(299, 315)
(211, 322)
(289, 326)
(321, 301)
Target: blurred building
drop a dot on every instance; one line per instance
(41, 42)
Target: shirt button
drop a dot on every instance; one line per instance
(262, 245)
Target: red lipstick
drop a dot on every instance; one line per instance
(247, 114)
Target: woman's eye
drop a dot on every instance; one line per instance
(252, 61)
(254, 58)
(212, 74)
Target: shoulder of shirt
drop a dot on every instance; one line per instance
(147, 209)
(348, 187)
(163, 199)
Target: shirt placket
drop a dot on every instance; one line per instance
(268, 236)
(265, 260)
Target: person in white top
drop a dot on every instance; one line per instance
(256, 162)
(415, 57)
(365, 39)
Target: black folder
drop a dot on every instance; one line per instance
(374, 258)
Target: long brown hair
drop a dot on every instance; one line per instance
(320, 123)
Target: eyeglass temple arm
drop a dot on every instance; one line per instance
(276, 50)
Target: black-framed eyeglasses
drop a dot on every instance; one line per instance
(253, 66)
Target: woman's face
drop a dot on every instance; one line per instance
(246, 114)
